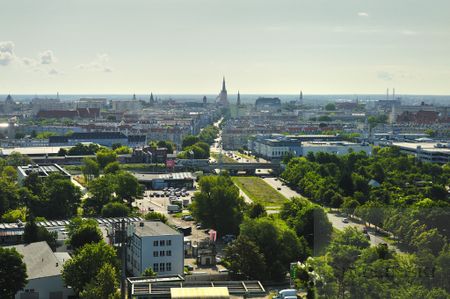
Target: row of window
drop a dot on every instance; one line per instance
(162, 253)
(162, 267)
(162, 243)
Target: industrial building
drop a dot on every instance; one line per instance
(161, 181)
(42, 170)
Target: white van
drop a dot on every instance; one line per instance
(287, 294)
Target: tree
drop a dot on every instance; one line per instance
(13, 216)
(149, 273)
(62, 152)
(61, 197)
(218, 204)
(122, 150)
(17, 159)
(86, 264)
(330, 107)
(112, 167)
(244, 257)
(127, 187)
(256, 210)
(101, 190)
(156, 217)
(353, 237)
(115, 209)
(13, 272)
(90, 169)
(189, 140)
(105, 156)
(104, 285)
(9, 173)
(167, 144)
(33, 233)
(83, 231)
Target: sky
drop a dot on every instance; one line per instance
(260, 46)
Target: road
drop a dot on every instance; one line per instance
(335, 220)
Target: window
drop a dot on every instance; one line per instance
(155, 267)
(162, 253)
(161, 243)
(169, 253)
(161, 267)
(155, 243)
(169, 242)
(168, 266)
(155, 253)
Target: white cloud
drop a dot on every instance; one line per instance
(409, 32)
(99, 64)
(386, 76)
(6, 52)
(363, 14)
(47, 57)
(53, 72)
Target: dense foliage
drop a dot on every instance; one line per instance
(218, 204)
(13, 272)
(388, 189)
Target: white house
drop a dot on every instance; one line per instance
(158, 246)
(44, 272)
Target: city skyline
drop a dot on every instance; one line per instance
(185, 47)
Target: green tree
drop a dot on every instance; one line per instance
(256, 210)
(61, 197)
(86, 264)
(218, 204)
(13, 272)
(101, 190)
(189, 140)
(90, 169)
(13, 216)
(115, 209)
(353, 237)
(149, 273)
(127, 187)
(17, 159)
(105, 156)
(330, 107)
(122, 150)
(104, 285)
(167, 144)
(156, 217)
(33, 233)
(83, 231)
(112, 167)
(244, 257)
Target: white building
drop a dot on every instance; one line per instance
(335, 147)
(425, 151)
(49, 104)
(99, 103)
(158, 246)
(44, 272)
(126, 105)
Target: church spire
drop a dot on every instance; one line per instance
(239, 99)
(223, 84)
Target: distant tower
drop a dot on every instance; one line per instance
(134, 97)
(205, 100)
(393, 94)
(152, 100)
(387, 94)
(300, 98)
(222, 98)
(238, 99)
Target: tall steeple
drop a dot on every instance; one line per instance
(205, 100)
(238, 99)
(223, 84)
(152, 100)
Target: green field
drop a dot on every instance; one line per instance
(225, 158)
(259, 191)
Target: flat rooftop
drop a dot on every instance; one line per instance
(33, 150)
(153, 228)
(428, 146)
(164, 176)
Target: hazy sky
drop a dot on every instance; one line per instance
(261, 46)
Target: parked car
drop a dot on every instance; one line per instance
(345, 220)
(279, 188)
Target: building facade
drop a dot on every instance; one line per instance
(157, 246)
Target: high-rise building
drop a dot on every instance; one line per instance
(222, 98)
(205, 100)
(238, 99)
(152, 100)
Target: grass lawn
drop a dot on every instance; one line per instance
(259, 191)
(225, 158)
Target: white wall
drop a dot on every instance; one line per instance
(45, 285)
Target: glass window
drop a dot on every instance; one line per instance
(155, 253)
(161, 243)
(155, 243)
(169, 253)
(162, 253)
(169, 242)
(162, 267)
(155, 267)
(168, 266)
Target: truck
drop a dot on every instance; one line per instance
(173, 209)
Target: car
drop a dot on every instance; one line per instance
(345, 220)
(151, 209)
(199, 226)
(187, 218)
(279, 188)
(189, 267)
